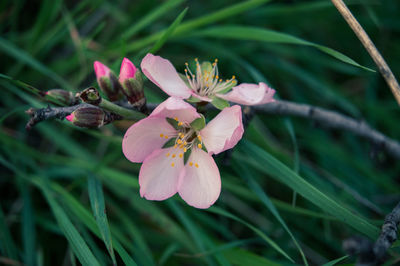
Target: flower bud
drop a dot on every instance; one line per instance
(62, 97)
(132, 83)
(89, 117)
(107, 81)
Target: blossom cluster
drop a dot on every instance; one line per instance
(174, 143)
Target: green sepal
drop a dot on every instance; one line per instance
(204, 148)
(169, 143)
(186, 156)
(192, 99)
(199, 123)
(172, 122)
(220, 103)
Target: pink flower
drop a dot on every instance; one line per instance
(127, 71)
(204, 84)
(101, 70)
(164, 171)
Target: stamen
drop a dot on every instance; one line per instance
(172, 164)
(173, 155)
(167, 154)
(196, 165)
(161, 135)
(184, 150)
(179, 141)
(191, 163)
(166, 137)
(180, 155)
(199, 146)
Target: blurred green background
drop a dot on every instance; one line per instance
(291, 191)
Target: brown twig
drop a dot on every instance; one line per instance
(374, 253)
(370, 47)
(334, 120)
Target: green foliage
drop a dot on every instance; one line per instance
(291, 191)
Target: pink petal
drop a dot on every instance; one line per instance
(100, 69)
(203, 98)
(162, 73)
(143, 137)
(249, 94)
(200, 183)
(70, 117)
(127, 71)
(176, 108)
(224, 131)
(159, 174)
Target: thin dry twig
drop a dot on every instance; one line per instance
(374, 253)
(334, 120)
(370, 47)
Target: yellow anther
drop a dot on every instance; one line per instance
(172, 164)
(184, 143)
(185, 70)
(165, 136)
(196, 59)
(179, 141)
(200, 146)
(181, 146)
(180, 124)
(161, 135)
(167, 154)
(184, 150)
(173, 155)
(213, 64)
(180, 155)
(196, 165)
(186, 63)
(191, 164)
(217, 77)
(199, 137)
(233, 77)
(216, 60)
(175, 146)
(220, 80)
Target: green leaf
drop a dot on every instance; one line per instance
(78, 245)
(186, 156)
(169, 143)
(151, 17)
(265, 35)
(173, 122)
(99, 211)
(220, 103)
(192, 99)
(168, 32)
(256, 188)
(199, 123)
(21, 55)
(264, 162)
(272, 243)
(7, 245)
(333, 262)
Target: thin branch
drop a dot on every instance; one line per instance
(329, 119)
(374, 253)
(334, 120)
(370, 47)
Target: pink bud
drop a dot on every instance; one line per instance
(127, 71)
(70, 117)
(101, 70)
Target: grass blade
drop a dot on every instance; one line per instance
(99, 211)
(267, 164)
(168, 32)
(78, 245)
(7, 245)
(272, 243)
(270, 36)
(256, 188)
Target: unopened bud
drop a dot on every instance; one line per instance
(107, 81)
(132, 83)
(90, 95)
(61, 97)
(88, 117)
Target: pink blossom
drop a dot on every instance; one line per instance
(164, 171)
(204, 84)
(127, 71)
(70, 117)
(101, 70)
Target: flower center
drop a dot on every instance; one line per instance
(206, 81)
(186, 139)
